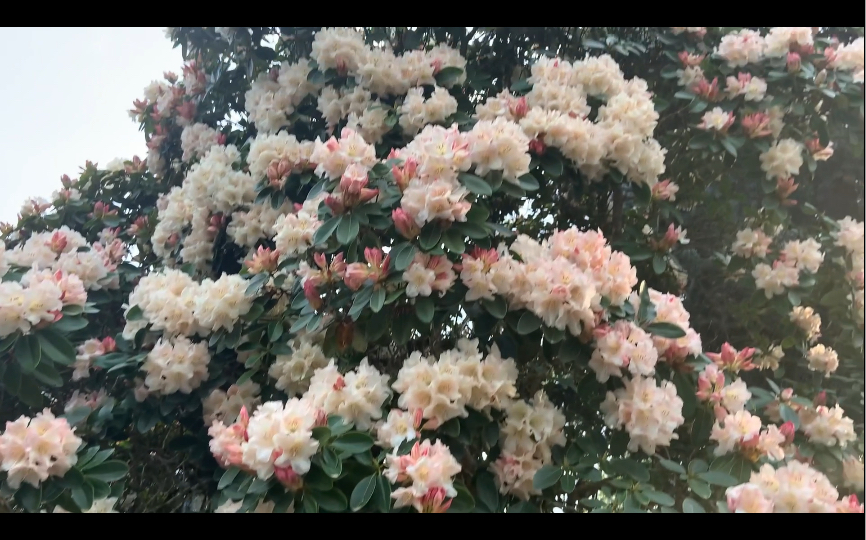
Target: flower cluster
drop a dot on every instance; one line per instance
(428, 273)
(172, 302)
(225, 406)
(430, 468)
(442, 388)
(32, 449)
(527, 436)
(792, 488)
(556, 113)
(742, 431)
(670, 309)
(294, 371)
(176, 365)
(830, 427)
(357, 396)
(619, 346)
(648, 412)
(562, 280)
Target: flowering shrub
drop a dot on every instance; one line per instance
(363, 270)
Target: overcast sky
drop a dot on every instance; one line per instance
(65, 101)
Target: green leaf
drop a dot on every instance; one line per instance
(659, 264)
(496, 307)
(255, 283)
(718, 478)
(318, 480)
(28, 353)
(729, 146)
(46, 374)
(485, 488)
(666, 330)
(430, 236)
(475, 184)
(546, 477)
(82, 496)
(691, 506)
(662, 499)
(528, 182)
(382, 495)
(134, 314)
(56, 347)
(362, 493)
(377, 299)
(70, 324)
(108, 471)
(402, 255)
(29, 497)
(331, 463)
(453, 241)
(552, 163)
(448, 76)
(424, 309)
(464, 502)
(309, 504)
(528, 323)
(326, 230)
(631, 468)
(788, 415)
(101, 489)
(354, 443)
(331, 501)
(524, 507)
(228, 477)
(593, 44)
(672, 466)
(348, 229)
(700, 488)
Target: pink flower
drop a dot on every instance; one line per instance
(794, 62)
(311, 293)
(756, 125)
(404, 224)
(732, 360)
(265, 260)
(355, 276)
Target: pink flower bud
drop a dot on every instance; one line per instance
(353, 180)
(820, 399)
(171, 77)
(707, 90)
(404, 224)
(518, 107)
(794, 62)
(756, 125)
(537, 146)
(288, 478)
(787, 394)
(312, 295)
(339, 384)
(355, 276)
(433, 502)
(719, 412)
(66, 181)
(335, 204)
(58, 242)
(108, 344)
(265, 260)
(787, 429)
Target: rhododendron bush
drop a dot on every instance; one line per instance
(453, 270)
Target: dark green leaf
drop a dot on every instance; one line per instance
(475, 184)
(718, 478)
(108, 471)
(691, 506)
(666, 330)
(528, 323)
(659, 264)
(363, 492)
(326, 230)
(496, 307)
(56, 347)
(424, 309)
(546, 477)
(28, 353)
(485, 488)
(377, 299)
(631, 468)
(402, 255)
(331, 501)
(348, 229)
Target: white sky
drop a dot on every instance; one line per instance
(65, 101)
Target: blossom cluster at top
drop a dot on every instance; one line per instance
(554, 114)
